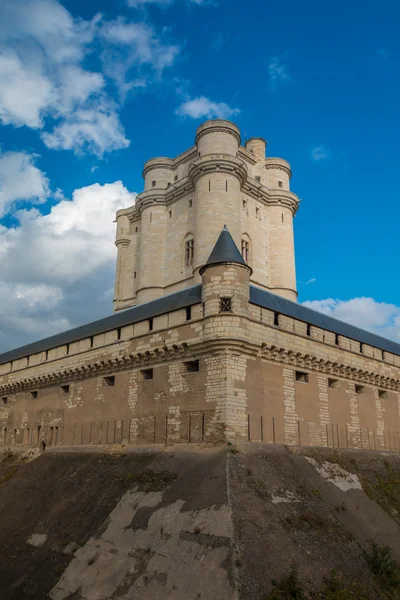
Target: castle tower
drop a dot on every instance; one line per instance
(165, 239)
(225, 295)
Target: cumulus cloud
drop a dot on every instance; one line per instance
(66, 277)
(132, 49)
(200, 107)
(44, 81)
(278, 73)
(137, 3)
(379, 317)
(319, 153)
(21, 181)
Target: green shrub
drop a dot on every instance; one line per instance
(384, 567)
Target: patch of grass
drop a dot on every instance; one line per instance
(384, 488)
(8, 475)
(307, 492)
(335, 587)
(304, 521)
(385, 568)
(288, 588)
(151, 481)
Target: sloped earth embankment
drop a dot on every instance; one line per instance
(253, 523)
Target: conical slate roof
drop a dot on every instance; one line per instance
(225, 251)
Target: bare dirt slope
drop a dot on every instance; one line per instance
(258, 522)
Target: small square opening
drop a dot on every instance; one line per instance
(382, 394)
(34, 395)
(110, 381)
(225, 305)
(302, 376)
(153, 184)
(176, 178)
(258, 178)
(334, 383)
(147, 374)
(65, 389)
(279, 183)
(192, 366)
(359, 389)
(4, 399)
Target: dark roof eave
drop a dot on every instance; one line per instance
(297, 311)
(165, 304)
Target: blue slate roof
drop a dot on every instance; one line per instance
(224, 251)
(192, 296)
(142, 312)
(303, 313)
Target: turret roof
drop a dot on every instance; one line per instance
(225, 251)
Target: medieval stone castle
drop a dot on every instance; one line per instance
(207, 343)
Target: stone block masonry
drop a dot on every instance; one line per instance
(222, 360)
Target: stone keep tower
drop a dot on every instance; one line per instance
(167, 236)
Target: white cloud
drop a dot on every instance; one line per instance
(320, 153)
(97, 130)
(278, 73)
(379, 317)
(56, 267)
(24, 92)
(21, 180)
(312, 280)
(200, 107)
(137, 3)
(134, 54)
(44, 83)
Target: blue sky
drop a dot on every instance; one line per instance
(90, 90)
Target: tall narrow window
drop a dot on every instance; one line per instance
(226, 185)
(279, 183)
(246, 253)
(245, 250)
(189, 252)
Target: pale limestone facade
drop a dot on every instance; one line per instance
(189, 199)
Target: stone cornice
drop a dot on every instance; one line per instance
(98, 367)
(229, 128)
(313, 363)
(166, 353)
(149, 198)
(278, 163)
(220, 163)
(159, 162)
(271, 197)
(246, 155)
(122, 241)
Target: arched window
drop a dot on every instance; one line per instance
(246, 248)
(189, 250)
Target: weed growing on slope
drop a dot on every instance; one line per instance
(288, 588)
(385, 568)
